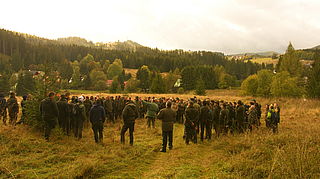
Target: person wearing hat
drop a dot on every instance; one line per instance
(168, 117)
(49, 113)
(3, 109)
(129, 114)
(13, 108)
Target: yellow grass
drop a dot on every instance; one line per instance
(292, 153)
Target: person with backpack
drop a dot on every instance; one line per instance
(129, 114)
(168, 117)
(80, 117)
(3, 109)
(13, 108)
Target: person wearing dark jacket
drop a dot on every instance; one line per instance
(97, 117)
(205, 121)
(49, 113)
(3, 109)
(192, 118)
(64, 115)
(129, 114)
(167, 116)
(13, 108)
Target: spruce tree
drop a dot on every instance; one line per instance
(200, 88)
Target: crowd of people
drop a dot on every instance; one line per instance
(199, 117)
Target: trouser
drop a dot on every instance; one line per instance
(110, 117)
(3, 115)
(66, 125)
(49, 124)
(125, 127)
(274, 128)
(78, 127)
(23, 118)
(208, 130)
(180, 117)
(241, 127)
(202, 127)
(165, 136)
(219, 129)
(191, 134)
(98, 131)
(13, 118)
(151, 120)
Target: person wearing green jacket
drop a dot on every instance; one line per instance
(152, 109)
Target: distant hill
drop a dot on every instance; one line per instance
(126, 45)
(257, 54)
(75, 41)
(316, 47)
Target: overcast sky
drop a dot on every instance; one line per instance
(229, 26)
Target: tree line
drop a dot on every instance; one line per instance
(291, 78)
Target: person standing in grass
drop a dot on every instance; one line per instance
(97, 117)
(167, 116)
(152, 109)
(49, 112)
(129, 114)
(3, 109)
(192, 117)
(13, 108)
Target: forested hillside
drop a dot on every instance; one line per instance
(26, 50)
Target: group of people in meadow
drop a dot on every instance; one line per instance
(201, 118)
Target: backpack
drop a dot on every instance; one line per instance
(76, 110)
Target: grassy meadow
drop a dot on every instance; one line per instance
(292, 153)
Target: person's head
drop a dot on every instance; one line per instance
(51, 95)
(224, 105)
(24, 97)
(205, 103)
(12, 94)
(190, 103)
(239, 102)
(99, 102)
(62, 97)
(168, 104)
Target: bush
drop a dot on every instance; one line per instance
(250, 85)
(132, 85)
(200, 88)
(181, 90)
(285, 86)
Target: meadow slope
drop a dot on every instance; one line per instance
(292, 153)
